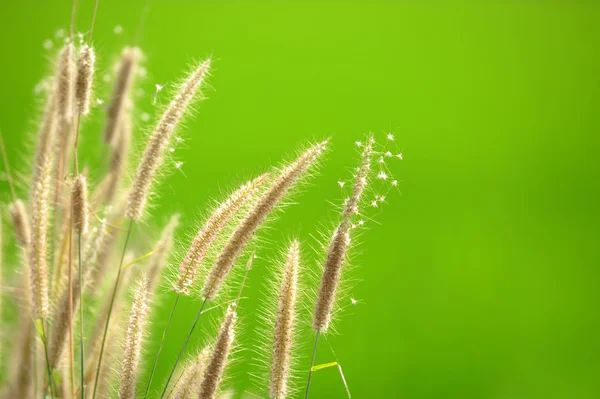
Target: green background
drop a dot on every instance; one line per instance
(482, 279)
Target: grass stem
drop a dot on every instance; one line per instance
(162, 341)
(312, 363)
(81, 318)
(183, 348)
(112, 302)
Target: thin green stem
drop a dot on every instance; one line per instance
(312, 363)
(183, 348)
(81, 317)
(47, 361)
(112, 301)
(162, 341)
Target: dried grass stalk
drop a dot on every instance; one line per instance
(20, 222)
(79, 202)
(40, 208)
(153, 154)
(126, 71)
(210, 230)
(220, 354)
(85, 76)
(189, 385)
(338, 246)
(284, 325)
(265, 205)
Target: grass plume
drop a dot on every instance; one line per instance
(153, 154)
(284, 326)
(276, 191)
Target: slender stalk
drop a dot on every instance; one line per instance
(47, 362)
(312, 363)
(183, 348)
(112, 302)
(81, 317)
(162, 341)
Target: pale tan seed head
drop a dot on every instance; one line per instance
(220, 354)
(85, 76)
(189, 383)
(257, 215)
(126, 72)
(20, 222)
(133, 341)
(159, 259)
(338, 247)
(153, 154)
(210, 230)
(283, 336)
(40, 208)
(79, 202)
(66, 82)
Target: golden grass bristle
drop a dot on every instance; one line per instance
(284, 325)
(210, 230)
(85, 77)
(153, 154)
(133, 341)
(189, 383)
(20, 222)
(40, 208)
(163, 249)
(257, 215)
(66, 82)
(220, 354)
(118, 159)
(126, 72)
(339, 244)
(79, 202)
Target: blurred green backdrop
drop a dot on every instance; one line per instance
(482, 279)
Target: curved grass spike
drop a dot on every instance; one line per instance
(153, 154)
(257, 215)
(85, 75)
(200, 245)
(284, 326)
(220, 354)
(126, 71)
(267, 202)
(151, 160)
(283, 336)
(336, 254)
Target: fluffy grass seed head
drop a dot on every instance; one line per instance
(153, 154)
(277, 190)
(20, 222)
(163, 249)
(85, 76)
(283, 336)
(79, 202)
(133, 341)
(65, 82)
(126, 72)
(339, 245)
(219, 357)
(40, 209)
(210, 230)
(189, 385)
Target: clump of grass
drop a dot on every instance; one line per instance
(276, 191)
(45, 224)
